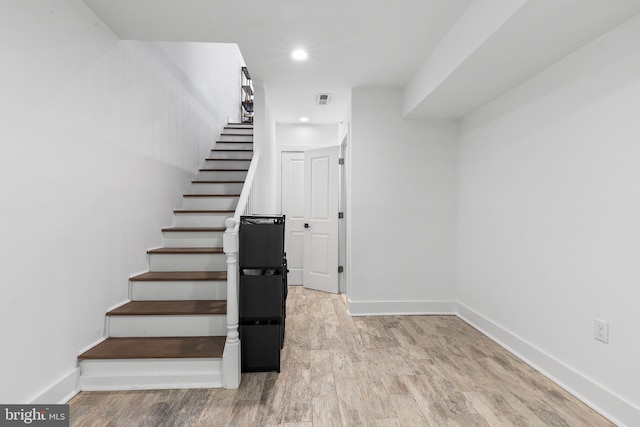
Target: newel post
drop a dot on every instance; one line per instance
(231, 356)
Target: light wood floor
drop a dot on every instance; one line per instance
(365, 371)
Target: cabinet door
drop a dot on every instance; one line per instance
(261, 297)
(261, 245)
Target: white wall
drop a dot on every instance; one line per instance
(264, 140)
(290, 136)
(402, 208)
(100, 138)
(213, 69)
(549, 230)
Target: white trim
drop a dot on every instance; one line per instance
(608, 403)
(118, 305)
(401, 308)
(93, 344)
(61, 391)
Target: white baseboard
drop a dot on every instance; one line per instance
(401, 308)
(60, 392)
(591, 393)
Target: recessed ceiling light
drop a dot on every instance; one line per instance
(304, 119)
(299, 55)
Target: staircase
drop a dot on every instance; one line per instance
(172, 333)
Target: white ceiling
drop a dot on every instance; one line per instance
(364, 43)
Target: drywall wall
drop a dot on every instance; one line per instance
(402, 208)
(289, 136)
(264, 188)
(100, 138)
(548, 230)
(214, 72)
(476, 24)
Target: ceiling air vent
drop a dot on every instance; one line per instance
(323, 98)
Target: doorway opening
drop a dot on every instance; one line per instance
(313, 199)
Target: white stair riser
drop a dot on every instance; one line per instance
(178, 290)
(149, 374)
(192, 239)
(211, 203)
(187, 262)
(226, 164)
(243, 131)
(235, 138)
(222, 154)
(201, 219)
(222, 175)
(216, 188)
(167, 326)
(233, 146)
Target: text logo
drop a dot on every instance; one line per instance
(34, 415)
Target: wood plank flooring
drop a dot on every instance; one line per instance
(360, 371)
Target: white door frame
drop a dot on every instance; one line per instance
(343, 226)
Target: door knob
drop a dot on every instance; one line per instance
(306, 225)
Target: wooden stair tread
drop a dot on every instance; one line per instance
(186, 251)
(224, 170)
(193, 229)
(211, 195)
(202, 211)
(157, 348)
(216, 182)
(192, 307)
(179, 276)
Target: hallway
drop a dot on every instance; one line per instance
(345, 371)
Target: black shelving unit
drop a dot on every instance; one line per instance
(263, 291)
(246, 104)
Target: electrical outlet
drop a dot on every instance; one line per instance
(601, 330)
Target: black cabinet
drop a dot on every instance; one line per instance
(263, 291)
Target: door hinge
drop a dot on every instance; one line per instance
(341, 161)
(340, 215)
(340, 269)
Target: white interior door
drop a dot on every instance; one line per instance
(293, 208)
(321, 196)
